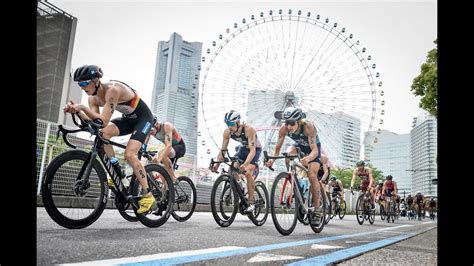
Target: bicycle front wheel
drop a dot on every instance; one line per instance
(68, 201)
(184, 200)
(224, 201)
(342, 209)
(360, 209)
(284, 204)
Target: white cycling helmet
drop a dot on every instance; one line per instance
(232, 117)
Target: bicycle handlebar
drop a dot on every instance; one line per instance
(285, 155)
(229, 160)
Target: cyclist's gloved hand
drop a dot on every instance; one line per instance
(269, 163)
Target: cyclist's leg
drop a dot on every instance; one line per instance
(167, 164)
(313, 179)
(114, 128)
(249, 174)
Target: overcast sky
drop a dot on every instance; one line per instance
(122, 37)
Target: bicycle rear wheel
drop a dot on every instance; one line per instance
(163, 193)
(283, 204)
(63, 197)
(260, 214)
(224, 201)
(185, 199)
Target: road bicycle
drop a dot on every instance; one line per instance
(288, 202)
(228, 195)
(75, 188)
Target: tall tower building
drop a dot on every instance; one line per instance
(391, 155)
(55, 32)
(175, 93)
(424, 150)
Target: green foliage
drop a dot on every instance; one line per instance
(426, 83)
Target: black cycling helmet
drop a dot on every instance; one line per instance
(87, 72)
(292, 113)
(380, 183)
(389, 177)
(360, 163)
(333, 178)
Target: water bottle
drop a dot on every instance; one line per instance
(305, 187)
(119, 171)
(242, 186)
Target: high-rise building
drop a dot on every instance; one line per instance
(339, 134)
(391, 155)
(55, 32)
(175, 93)
(424, 150)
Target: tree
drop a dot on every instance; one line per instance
(426, 83)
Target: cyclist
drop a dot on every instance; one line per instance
(336, 186)
(419, 198)
(379, 197)
(248, 152)
(136, 118)
(389, 189)
(174, 148)
(304, 134)
(367, 183)
(432, 206)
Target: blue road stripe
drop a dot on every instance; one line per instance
(244, 251)
(350, 252)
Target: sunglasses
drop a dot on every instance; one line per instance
(290, 122)
(231, 124)
(84, 83)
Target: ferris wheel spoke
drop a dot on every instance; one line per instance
(280, 60)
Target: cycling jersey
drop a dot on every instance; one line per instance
(243, 139)
(302, 141)
(160, 135)
(136, 118)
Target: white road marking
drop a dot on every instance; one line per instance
(154, 256)
(260, 257)
(318, 246)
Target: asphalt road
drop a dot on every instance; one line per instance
(200, 241)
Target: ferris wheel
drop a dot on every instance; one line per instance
(273, 60)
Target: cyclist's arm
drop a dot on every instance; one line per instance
(341, 187)
(383, 188)
(371, 177)
(168, 129)
(225, 143)
(281, 139)
(309, 128)
(251, 133)
(395, 188)
(353, 177)
(111, 99)
(326, 172)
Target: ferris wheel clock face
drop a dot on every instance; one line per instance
(279, 58)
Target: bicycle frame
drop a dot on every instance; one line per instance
(233, 171)
(98, 150)
(293, 166)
